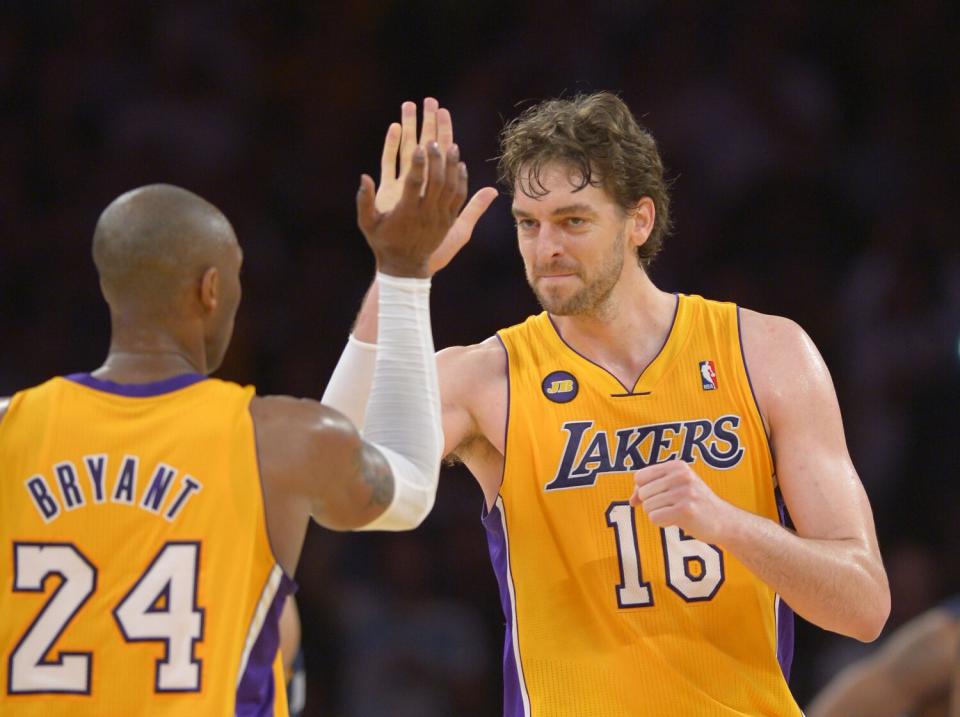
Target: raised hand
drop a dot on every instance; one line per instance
(432, 192)
(398, 148)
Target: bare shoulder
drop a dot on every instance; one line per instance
(485, 361)
(289, 426)
(474, 379)
(309, 451)
(772, 339)
(781, 358)
(473, 388)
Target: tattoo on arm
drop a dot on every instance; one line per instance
(376, 473)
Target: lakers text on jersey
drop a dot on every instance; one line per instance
(607, 614)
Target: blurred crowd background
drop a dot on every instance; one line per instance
(810, 147)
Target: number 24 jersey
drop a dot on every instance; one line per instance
(137, 576)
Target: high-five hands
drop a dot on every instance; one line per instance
(671, 493)
(432, 192)
(399, 147)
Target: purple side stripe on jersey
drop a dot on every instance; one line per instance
(137, 390)
(785, 624)
(255, 691)
(497, 544)
(785, 638)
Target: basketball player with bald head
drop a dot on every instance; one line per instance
(151, 516)
(636, 448)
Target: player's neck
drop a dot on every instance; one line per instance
(143, 367)
(145, 355)
(628, 333)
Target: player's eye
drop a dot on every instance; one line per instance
(575, 221)
(526, 224)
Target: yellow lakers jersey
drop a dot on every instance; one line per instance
(607, 614)
(137, 575)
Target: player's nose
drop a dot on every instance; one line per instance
(549, 243)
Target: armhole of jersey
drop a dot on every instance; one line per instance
(758, 414)
(4, 409)
(506, 423)
(263, 494)
(10, 402)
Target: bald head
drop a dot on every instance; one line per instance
(153, 242)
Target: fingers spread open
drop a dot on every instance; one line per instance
(366, 211)
(451, 158)
(408, 139)
(435, 174)
(478, 204)
(415, 177)
(428, 130)
(444, 129)
(460, 193)
(388, 160)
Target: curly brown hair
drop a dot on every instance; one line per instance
(601, 141)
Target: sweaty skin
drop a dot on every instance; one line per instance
(829, 571)
(169, 266)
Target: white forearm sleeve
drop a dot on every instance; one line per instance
(349, 386)
(403, 413)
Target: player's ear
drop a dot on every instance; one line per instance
(640, 221)
(210, 289)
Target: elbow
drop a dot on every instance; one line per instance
(873, 616)
(874, 599)
(869, 628)
(400, 516)
(875, 620)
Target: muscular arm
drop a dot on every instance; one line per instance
(473, 393)
(309, 450)
(829, 571)
(473, 399)
(912, 666)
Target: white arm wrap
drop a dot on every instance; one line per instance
(349, 386)
(403, 413)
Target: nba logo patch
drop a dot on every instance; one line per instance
(708, 375)
(560, 387)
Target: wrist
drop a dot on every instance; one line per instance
(732, 526)
(407, 283)
(404, 268)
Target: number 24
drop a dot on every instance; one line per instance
(171, 577)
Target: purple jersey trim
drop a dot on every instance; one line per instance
(137, 390)
(753, 393)
(785, 626)
(629, 391)
(497, 544)
(256, 689)
(506, 423)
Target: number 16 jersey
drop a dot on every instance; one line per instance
(137, 576)
(607, 614)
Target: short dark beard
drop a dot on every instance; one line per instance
(590, 300)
